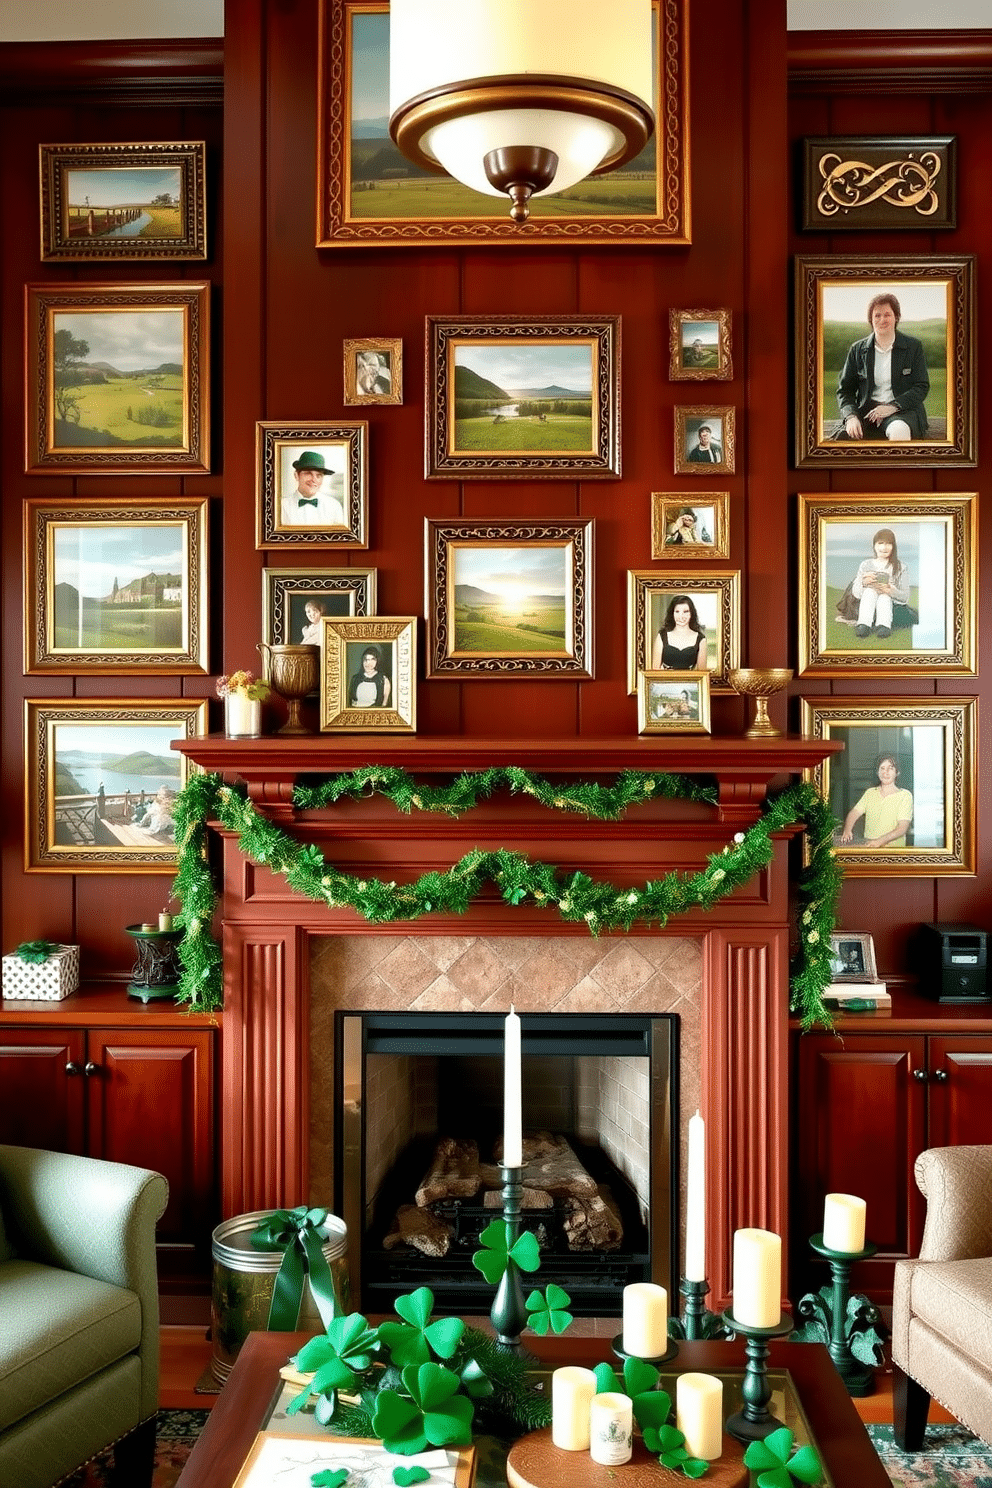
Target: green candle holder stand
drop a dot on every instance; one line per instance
(697, 1322)
(660, 1359)
(754, 1421)
(156, 972)
(509, 1310)
(850, 1326)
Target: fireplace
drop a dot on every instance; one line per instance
(417, 1182)
(269, 935)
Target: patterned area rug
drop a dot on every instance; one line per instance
(949, 1458)
(177, 1431)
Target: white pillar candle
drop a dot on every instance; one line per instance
(645, 1320)
(611, 1429)
(572, 1390)
(757, 1281)
(513, 1153)
(844, 1223)
(695, 1204)
(699, 1414)
(165, 920)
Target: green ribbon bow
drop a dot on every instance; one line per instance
(299, 1234)
(36, 951)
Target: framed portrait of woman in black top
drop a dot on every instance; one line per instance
(689, 621)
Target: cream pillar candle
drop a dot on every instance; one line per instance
(844, 1223)
(645, 1320)
(699, 1414)
(757, 1280)
(513, 1154)
(695, 1204)
(572, 1390)
(611, 1429)
(165, 920)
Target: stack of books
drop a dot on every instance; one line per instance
(857, 997)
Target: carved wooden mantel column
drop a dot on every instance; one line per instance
(266, 931)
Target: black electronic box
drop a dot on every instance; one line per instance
(953, 963)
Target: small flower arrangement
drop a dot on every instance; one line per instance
(243, 684)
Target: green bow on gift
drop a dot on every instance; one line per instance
(299, 1234)
(36, 951)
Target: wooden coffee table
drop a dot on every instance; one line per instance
(838, 1432)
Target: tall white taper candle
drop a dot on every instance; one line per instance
(695, 1202)
(513, 1155)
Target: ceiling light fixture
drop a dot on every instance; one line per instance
(526, 97)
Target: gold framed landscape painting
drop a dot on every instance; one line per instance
(519, 395)
(509, 599)
(368, 680)
(888, 584)
(111, 583)
(369, 194)
(102, 780)
(118, 378)
(903, 789)
(123, 201)
(699, 346)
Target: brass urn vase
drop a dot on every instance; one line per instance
(294, 673)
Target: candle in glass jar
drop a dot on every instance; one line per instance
(757, 1280)
(645, 1320)
(699, 1414)
(844, 1223)
(513, 1155)
(611, 1429)
(695, 1204)
(572, 1390)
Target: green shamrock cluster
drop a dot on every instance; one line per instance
(652, 1408)
(776, 1468)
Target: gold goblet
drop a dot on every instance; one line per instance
(761, 683)
(294, 674)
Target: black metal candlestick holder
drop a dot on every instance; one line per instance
(509, 1310)
(697, 1322)
(754, 1421)
(156, 972)
(658, 1359)
(829, 1318)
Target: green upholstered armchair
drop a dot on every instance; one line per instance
(79, 1336)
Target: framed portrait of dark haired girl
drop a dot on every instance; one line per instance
(684, 622)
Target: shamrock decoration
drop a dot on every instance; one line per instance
(411, 1341)
(669, 1443)
(652, 1407)
(549, 1311)
(333, 1358)
(426, 1413)
(406, 1476)
(775, 1468)
(492, 1260)
(329, 1479)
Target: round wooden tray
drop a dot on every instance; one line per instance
(535, 1462)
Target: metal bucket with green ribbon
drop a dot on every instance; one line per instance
(275, 1270)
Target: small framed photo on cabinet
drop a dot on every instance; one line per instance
(673, 702)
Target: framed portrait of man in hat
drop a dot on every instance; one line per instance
(312, 484)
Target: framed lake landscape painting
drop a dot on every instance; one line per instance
(118, 378)
(509, 599)
(885, 361)
(888, 584)
(123, 201)
(369, 194)
(523, 396)
(111, 583)
(102, 781)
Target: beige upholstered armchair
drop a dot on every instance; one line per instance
(942, 1303)
(79, 1307)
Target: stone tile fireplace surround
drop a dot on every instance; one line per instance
(289, 962)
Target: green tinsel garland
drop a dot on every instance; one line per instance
(575, 896)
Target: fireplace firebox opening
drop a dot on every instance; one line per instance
(419, 1098)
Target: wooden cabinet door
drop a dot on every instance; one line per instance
(861, 1121)
(42, 1088)
(150, 1102)
(960, 1088)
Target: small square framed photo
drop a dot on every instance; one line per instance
(697, 523)
(110, 583)
(699, 344)
(373, 371)
(517, 396)
(684, 622)
(509, 599)
(861, 183)
(673, 702)
(704, 441)
(123, 201)
(312, 485)
(888, 584)
(852, 958)
(102, 779)
(118, 378)
(368, 681)
(903, 788)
